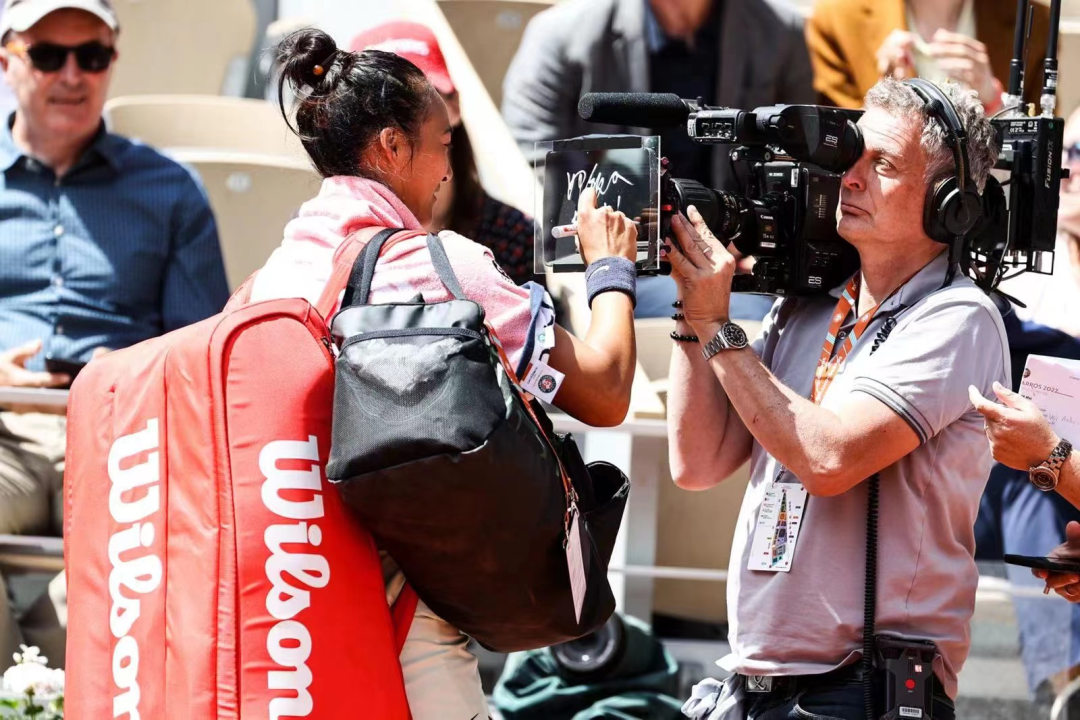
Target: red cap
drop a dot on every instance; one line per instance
(412, 41)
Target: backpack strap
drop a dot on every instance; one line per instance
(363, 271)
(346, 256)
(443, 267)
(358, 288)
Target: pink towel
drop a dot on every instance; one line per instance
(302, 265)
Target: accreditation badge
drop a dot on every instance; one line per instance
(772, 548)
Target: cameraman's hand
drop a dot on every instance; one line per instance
(895, 57)
(603, 232)
(702, 269)
(1067, 585)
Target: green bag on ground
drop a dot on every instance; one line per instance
(638, 678)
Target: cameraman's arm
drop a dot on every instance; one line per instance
(829, 450)
(900, 397)
(707, 439)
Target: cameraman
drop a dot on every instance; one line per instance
(908, 334)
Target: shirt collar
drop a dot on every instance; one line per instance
(924, 282)
(104, 145)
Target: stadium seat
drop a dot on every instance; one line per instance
(253, 197)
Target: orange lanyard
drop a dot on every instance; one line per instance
(828, 366)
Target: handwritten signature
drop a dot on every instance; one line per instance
(595, 178)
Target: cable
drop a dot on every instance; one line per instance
(1002, 111)
(870, 589)
(870, 596)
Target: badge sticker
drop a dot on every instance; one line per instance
(542, 381)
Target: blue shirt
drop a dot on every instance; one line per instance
(120, 249)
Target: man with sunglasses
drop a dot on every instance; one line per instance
(103, 243)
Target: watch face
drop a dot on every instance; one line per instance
(1043, 479)
(734, 335)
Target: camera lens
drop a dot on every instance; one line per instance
(732, 215)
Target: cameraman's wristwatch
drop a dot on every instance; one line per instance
(729, 337)
(1045, 475)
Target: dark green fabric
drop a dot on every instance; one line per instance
(641, 684)
(634, 706)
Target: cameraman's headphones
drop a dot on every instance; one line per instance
(953, 205)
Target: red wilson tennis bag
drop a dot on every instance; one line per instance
(212, 570)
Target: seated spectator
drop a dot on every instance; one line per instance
(463, 205)
(103, 243)
(740, 53)
(855, 43)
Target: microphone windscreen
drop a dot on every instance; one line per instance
(647, 110)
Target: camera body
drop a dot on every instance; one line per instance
(785, 216)
(791, 159)
(786, 221)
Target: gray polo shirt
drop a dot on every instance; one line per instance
(809, 620)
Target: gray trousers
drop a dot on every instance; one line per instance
(32, 449)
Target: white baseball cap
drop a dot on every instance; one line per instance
(21, 15)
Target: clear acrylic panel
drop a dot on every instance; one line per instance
(624, 169)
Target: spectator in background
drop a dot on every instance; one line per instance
(855, 43)
(1017, 518)
(736, 53)
(103, 243)
(463, 205)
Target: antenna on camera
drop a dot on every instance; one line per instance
(1048, 99)
(1014, 95)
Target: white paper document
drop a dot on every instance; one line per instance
(1054, 385)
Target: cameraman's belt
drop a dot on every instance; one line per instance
(791, 683)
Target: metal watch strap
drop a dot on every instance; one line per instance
(1045, 475)
(720, 342)
(1059, 455)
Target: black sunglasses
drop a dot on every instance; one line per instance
(92, 57)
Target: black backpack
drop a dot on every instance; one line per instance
(457, 472)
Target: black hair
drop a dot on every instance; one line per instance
(345, 99)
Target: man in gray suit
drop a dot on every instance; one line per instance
(734, 53)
